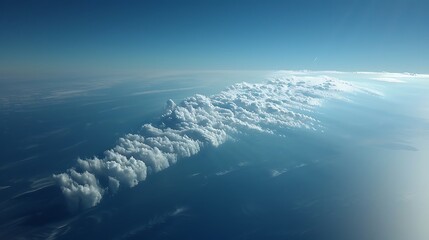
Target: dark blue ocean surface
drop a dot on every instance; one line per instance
(361, 175)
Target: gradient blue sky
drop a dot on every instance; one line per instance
(62, 36)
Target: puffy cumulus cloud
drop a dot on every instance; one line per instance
(80, 189)
(200, 121)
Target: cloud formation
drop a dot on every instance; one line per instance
(197, 122)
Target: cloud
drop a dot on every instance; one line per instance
(197, 122)
(388, 79)
(80, 189)
(4, 187)
(221, 173)
(276, 173)
(155, 221)
(393, 77)
(36, 185)
(163, 91)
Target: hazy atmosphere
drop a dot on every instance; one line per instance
(134, 36)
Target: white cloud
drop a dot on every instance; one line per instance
(393, 77)
(194, 174)
(276, 173)
(163, 91)
(200, 121)
(155, 221)
(221, 173)
(4, 187)
(81, 189)
(388, 79)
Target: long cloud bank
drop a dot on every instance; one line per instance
(199, 121)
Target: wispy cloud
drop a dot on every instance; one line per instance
(221, 173)
(276, 173)
(4, 187)
(388, 79)
(164, 90)
(157, 220)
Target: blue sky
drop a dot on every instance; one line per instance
(132, 36)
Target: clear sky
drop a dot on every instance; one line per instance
(63, 36)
